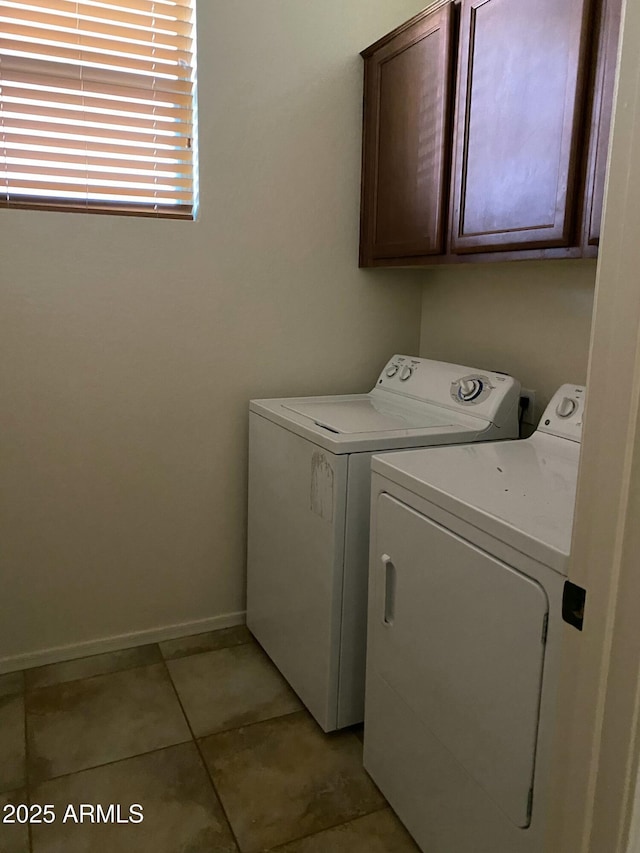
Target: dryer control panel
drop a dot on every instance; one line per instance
(564, 414)
(483, 393)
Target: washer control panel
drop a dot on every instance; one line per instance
(406, 372)
(567, 407)
(471, 389)
(563, 416)
(401, 368)
(476, 392)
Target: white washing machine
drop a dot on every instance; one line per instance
(469, 555)
(309, 489)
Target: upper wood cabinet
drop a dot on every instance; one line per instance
(520, 94)
(486, 126)
(600, 121)
(408, 90)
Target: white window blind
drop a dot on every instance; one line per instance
(97, 105)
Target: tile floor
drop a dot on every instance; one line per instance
(205, 734)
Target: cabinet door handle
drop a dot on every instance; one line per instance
(389, 590)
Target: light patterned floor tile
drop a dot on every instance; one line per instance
(181, 813)
(12, 743)
(209, 642)
(72, 670)
(82, 724)
(14, 837)
(11, 683)
(230, 688)
(283, 779)
(380, 832)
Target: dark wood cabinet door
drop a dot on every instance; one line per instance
(406, 148)
(600, 129)
(518, 124)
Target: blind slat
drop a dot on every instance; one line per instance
(168, 32)
(148, 7)
(95, 120)
(39, 160)
(96, 106)
(124, 78)
(149, 44)
(89, 205)
(85, 50)
(181, 24)
(115, 8)
(119, 191)
(75, 178)
(96, 166)
(40, 125)
(17, 82)
(105, 147)
(23, 99)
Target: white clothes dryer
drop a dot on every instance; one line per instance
(468, 562)
(308, 524)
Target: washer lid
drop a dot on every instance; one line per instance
(364, 413)
(377, 421)
(521, 492)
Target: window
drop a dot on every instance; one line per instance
(97, 106)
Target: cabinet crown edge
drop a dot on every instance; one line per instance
(428, 10)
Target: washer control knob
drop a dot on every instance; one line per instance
(566, 407)
(391, 370)
(406, 373)
(469, 389)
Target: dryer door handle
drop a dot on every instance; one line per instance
(390, 577)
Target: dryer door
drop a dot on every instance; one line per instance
(459, 636)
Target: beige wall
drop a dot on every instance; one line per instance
(130, 347)
(530, 319)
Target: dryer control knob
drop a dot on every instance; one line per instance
(566, 407)
(406, 373)
(391, 370)
(469, 389)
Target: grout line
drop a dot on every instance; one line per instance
(197, 652)
(25, 692)
(385, 807)
(107, 763)
(85, 657)
(217, 795)
(203, 761)
(27, 784)
(161, 659)
(197, 741)
(88, 677)
(250, 725)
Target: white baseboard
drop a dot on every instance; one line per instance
(120, 641)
